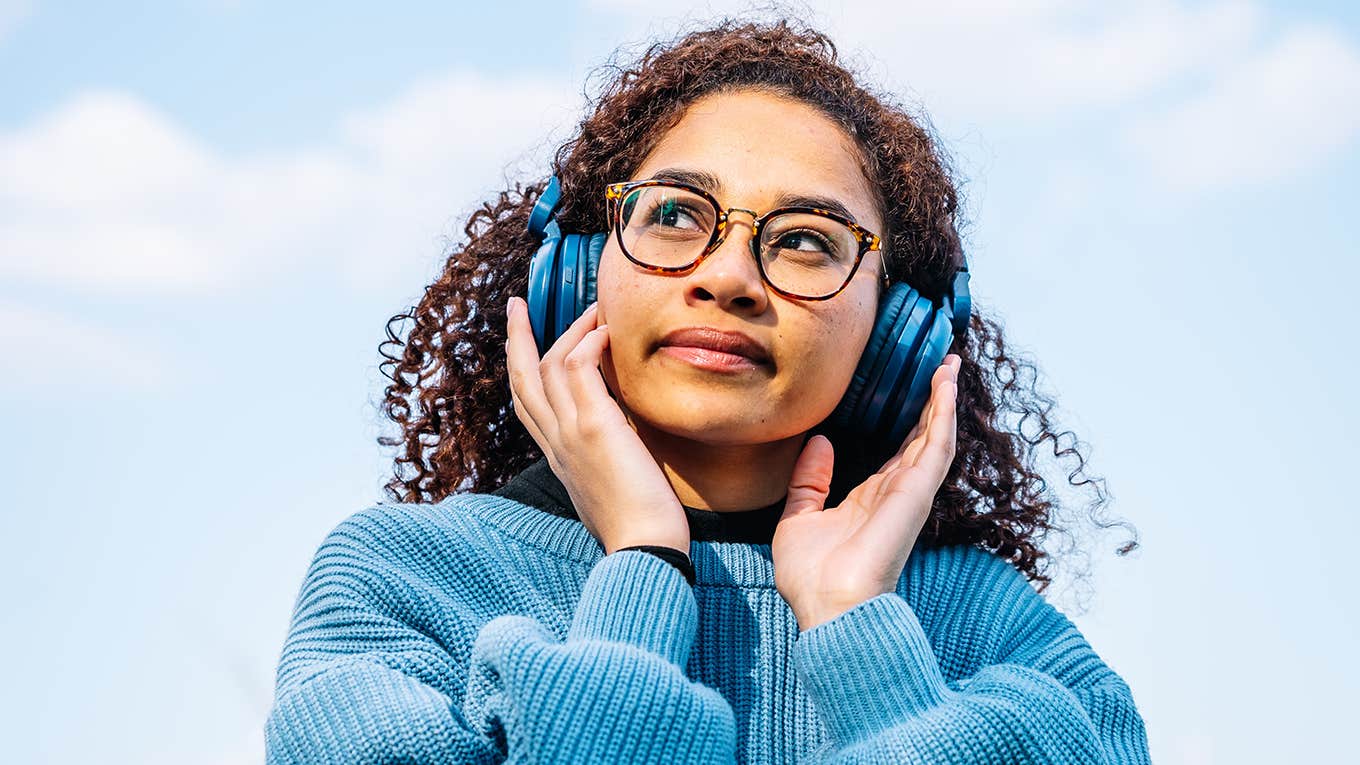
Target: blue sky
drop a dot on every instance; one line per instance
(208, 210)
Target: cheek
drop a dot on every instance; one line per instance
(626, 299)
(618, 286)
(623, 294)
(824, 351)
(833, 343)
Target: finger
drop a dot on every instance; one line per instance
(578, 329)
(811, 480)
(944, 377)
(590, 395)
(925, 463)
(911, 445)
(912, 437)
(941, 435)
(911, 452)
(521, 366)
(554, 376)
(914, 432)
(523, 416)
(927, 459)
(906, 453)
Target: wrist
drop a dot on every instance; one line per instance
(822, 611)
(678, 560)
(809, 618)
(635, 599)
(674, 543)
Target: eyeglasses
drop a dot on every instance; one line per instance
(805, 253)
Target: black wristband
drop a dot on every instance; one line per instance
(671, 555)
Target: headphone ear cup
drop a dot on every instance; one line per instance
(565, 309)
(542, 278)
(872, 359)
(916, 393)
(905, 345)
(591, 267)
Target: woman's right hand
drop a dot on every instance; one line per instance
(619, 491)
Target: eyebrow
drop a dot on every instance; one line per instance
(710, 183)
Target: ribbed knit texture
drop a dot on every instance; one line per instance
(482, 630)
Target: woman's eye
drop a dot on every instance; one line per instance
(672, 214)
(797, 238)
(803, 240)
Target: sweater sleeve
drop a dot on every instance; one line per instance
(363, 679)
(614, 691)
(1043, 697)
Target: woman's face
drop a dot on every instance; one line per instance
(760, 149)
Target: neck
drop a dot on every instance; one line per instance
(723, 478)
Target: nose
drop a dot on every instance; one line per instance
(729, 274)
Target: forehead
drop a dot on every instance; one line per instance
(759, 147)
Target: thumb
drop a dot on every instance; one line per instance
(811, 480)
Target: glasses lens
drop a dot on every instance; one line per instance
(665, 226)
(807, 254)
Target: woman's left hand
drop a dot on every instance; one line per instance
(827, 561)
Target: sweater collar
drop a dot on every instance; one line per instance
(525, 512)
(538, 487)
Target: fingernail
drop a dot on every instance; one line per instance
(593, 306)
(509, 304)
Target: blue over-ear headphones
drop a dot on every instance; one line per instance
(891, 384)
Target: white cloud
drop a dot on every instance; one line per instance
(994, 61)
(1007, 59)
(1276, 115)
(46, 350)
(93, 150)
(106, 195)
(425, 156)
(1207, 95)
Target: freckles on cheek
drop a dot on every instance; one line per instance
(619, 292)
(809, 352)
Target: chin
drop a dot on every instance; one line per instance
(709, 422)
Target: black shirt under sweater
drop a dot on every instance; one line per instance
(537, 486)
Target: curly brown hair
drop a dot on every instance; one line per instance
(449, 393)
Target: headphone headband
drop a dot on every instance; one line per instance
(544, 207)
(960, 300)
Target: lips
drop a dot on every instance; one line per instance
(714, 339)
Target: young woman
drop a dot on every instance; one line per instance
(653, 534)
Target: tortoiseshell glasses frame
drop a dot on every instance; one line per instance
(615, 193)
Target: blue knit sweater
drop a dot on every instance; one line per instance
(482, 630)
